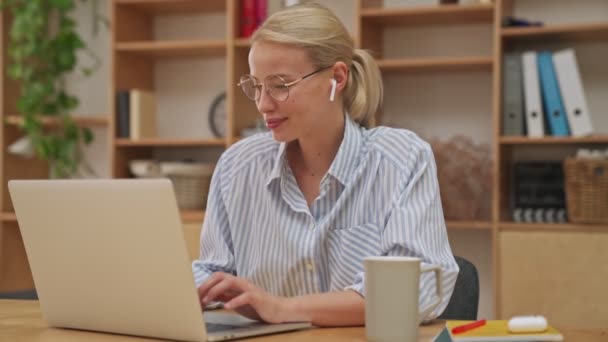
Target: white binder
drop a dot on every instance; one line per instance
(573, 95)
(535, 121)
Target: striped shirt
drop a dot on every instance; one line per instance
(379, 197)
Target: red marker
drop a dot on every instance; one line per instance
(469, 326)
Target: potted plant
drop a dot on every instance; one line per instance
(42, 48)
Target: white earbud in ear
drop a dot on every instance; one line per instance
(333, 89)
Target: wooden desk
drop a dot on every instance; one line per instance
(21, 320)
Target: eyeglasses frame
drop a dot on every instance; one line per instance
(288, 85)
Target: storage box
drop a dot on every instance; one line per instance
(190, 180)
(586, 190)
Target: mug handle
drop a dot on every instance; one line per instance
(438, 287)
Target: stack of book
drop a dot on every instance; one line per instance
(135, 114)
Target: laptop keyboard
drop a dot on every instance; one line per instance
(216, 327)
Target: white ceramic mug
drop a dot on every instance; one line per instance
(392, 287)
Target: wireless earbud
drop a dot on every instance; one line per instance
(333, 89)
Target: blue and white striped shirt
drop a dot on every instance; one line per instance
(379, 197)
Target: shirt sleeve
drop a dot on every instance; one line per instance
(216, 248)
(416, 228)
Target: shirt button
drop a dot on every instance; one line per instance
(310, 266)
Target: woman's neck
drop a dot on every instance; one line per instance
(315, 153)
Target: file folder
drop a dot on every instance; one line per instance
(534, 114)
(554, 108)
(572, 91)
(512, 109)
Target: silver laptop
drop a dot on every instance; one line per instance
(109, 255)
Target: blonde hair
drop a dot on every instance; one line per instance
(317, 30)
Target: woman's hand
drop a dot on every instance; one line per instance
(244, 297)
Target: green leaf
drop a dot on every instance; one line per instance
(62, 5)
(88, 135)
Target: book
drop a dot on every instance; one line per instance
(142, 110)
(122, 114)
(248, 18)
(494, 330)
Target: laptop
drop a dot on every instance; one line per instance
(109, 255)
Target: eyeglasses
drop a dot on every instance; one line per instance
(275, 85)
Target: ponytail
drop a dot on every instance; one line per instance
(363, 92)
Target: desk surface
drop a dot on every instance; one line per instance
(21, 320)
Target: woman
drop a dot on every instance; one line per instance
(292, 213)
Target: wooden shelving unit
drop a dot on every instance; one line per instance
(512, 246)
(433, 15)
(438, 64)
(174, 49)
(553, 227)
(193, 216)
(154, 142)
(8, 217)
(163, 7)
(469, 225)
(549, 140)
(563, 31)
(81, 120)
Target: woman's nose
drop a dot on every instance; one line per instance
(265, 103)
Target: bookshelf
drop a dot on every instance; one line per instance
(139, 53)
(516, 244)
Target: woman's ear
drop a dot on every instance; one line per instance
(340, 75)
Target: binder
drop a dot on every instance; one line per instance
(512, 109)
(571, 86)
(534, 114)
(143, 114)
(554, 108)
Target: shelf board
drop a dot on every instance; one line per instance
(553, 227)
(600, 139)
(468, 225)
(174, 6)
(431, 15)
(8, 217)
(242, 42)
(567, 31)
(192, 216)
(81, 120)
(436, 64)
(174, 49)
(159, 142)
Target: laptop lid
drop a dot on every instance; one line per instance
(109, 255)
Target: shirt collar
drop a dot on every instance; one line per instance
(347, 157)
(345, 161)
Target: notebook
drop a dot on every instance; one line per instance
(495, 330)
(109, 255)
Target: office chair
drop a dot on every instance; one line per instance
(464, 302)
(24, 294)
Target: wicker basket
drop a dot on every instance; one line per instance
(587, 190)
(190, 181)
